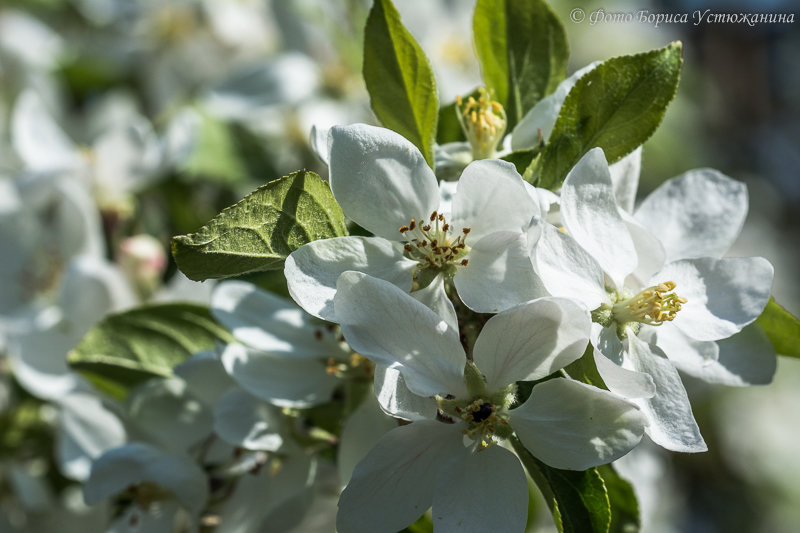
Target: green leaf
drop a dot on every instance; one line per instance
(616, 106)
(522, 48)
(399, 79)
(258, 232)
(782, 328)
(578, 500)
(423, 525)
(128, 348)
(585, 369)
(449, 128)
(624, 505)
(521, 158)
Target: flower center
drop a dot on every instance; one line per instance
(433, 244)
(356, 367)
(653, 306)
(483, 423)
(483, 122)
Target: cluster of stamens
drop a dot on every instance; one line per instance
(430, 243)
(483, 121)
(653, 305)
(483, 422)
(357, 366)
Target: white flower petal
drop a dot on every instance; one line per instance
(321, 143)
(435, 298)
(724, 295)
(39, 361)
(499, 274)
(135, 463)
(87, 429)
(395, 483)
(574, 426)
(697, 214)
(626, 383)
(615, 365)
(542, 117)
(648, 249)
(747, 358)
(447, 192)
(451, 158)
(267, 322)
(92, 287)
(288, 79)
(625, 177)
(549, 205)
(38, 139)
(169, 414)
(491, 197)
(483, 491)
(669, 415)
(278, 379)
(243, 420)
(591, 216)
(31, 42)
(380, 179)
(531, 341)
(360, 432)
(126, 160)
(261, 495)
(205, 376)
(312, 270)
(395, 398)
(568, 270)
(390, 327)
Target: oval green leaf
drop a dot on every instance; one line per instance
(578, 500)
(399, 79)
(616, 106)
(127, 348)
(258, 232)
(782, 328)
(624, 505)
(522, 49)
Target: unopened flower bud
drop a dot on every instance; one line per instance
(483, 121)
(143, 259)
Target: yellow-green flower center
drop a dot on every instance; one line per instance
(483, 121)
(653, 305)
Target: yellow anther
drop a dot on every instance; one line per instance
(653, 305)
(432, 245)
(483, 122)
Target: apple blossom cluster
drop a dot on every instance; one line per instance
(471, 311)
(646, 290)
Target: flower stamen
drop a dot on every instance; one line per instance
(653, 306)
(483, 121)
(433, 246)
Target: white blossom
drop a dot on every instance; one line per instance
(456, 466)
